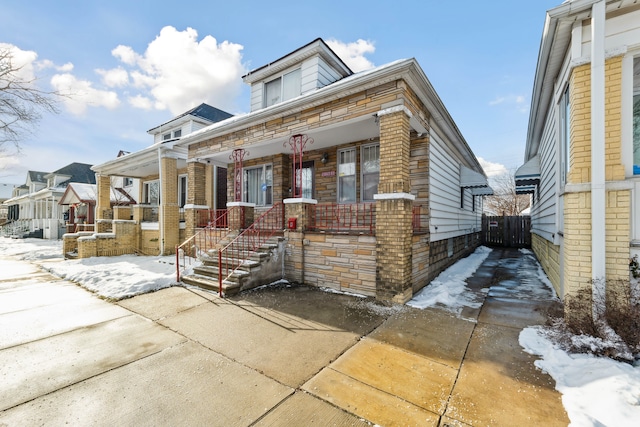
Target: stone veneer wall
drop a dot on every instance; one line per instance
(340, 261)
(439, 258)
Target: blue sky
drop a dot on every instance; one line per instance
(133, 65)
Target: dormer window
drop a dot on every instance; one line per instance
(166, 136)
(176, 134)
(282, 88)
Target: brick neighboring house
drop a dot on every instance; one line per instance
(583, 144)
(34, 210)
(379, 189)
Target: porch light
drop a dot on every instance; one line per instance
(325, 158)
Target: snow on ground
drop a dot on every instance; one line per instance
(111, 277)
(596, 391)
(449, 290)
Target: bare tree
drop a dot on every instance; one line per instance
(505, 201)
(21, 102)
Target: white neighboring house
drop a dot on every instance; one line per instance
(34, 210)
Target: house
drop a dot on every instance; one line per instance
(139, 175)
(368, 175)
(34, 210)
(582, 153)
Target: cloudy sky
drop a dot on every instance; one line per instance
(129, 66)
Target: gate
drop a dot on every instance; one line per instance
(507, 231)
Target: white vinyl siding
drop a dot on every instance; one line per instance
(447, 218)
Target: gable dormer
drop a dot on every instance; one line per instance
(188, 122)
(302, 71)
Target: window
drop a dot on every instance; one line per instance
(283, 88)
(177, 133)
(166, 136)
(152, 192)
(347, 176)
(182, 190)
(565, 136)
(370, 171)
(127, 182)
(258, 185)
(636, 116)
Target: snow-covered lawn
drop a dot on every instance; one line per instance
(111, 277)
(596, 391)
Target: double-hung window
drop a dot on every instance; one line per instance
(258, 185)
(182, 190)
(370, 169)
(151, 194)
(282, 88)
(347, 175)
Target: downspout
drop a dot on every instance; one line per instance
(598, 192)
(160, 209)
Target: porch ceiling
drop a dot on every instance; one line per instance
(360, 129)
(138, 165)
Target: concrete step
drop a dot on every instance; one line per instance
(213, 271)
(228, 287)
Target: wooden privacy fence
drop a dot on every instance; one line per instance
(507, 231)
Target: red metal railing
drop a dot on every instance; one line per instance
(205, 239)
(360, 217)
(233, 255)
(212, 218)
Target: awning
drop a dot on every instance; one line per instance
(471, 179)
(482, 191)
(529, 173)
(526, 189)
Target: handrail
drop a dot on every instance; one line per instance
(247, 242)
(208, 238)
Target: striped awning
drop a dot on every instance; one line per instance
(471, 179)
(529, 173)
(526, 189)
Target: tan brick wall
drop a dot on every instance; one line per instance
(420, 261)
(150, 242)
(548, 256)
(196, 181)
(170, 213)
(103, 208)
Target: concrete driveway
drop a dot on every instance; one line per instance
(273, 357)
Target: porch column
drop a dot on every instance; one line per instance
(196, 195)
(169, 211)
(301, 210)
(394, 207)
(103, 210)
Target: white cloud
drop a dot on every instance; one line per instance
(353, 53)
(492, 169)
(22, 61)
(116, 77)
(80, 94)
(141, 102)
(177, 72)
(519, 101)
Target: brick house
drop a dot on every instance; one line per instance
(583, 148)
(376, 189)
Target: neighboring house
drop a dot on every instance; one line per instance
(34, 206)
(380, 190)
(6, 192)
(139, 175)
(583, 144)
(79, 201)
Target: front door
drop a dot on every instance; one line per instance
(305, 179)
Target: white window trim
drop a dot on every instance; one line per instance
(263, 167)
(355, 174)
(186, 189)
(362, 173)
(145, 191)
(281, 78)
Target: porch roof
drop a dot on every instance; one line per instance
(529, 173)
(143, 163)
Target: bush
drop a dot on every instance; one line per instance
(601, 319)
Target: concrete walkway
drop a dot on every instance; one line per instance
(273, 357)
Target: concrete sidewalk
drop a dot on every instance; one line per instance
(273, 357)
